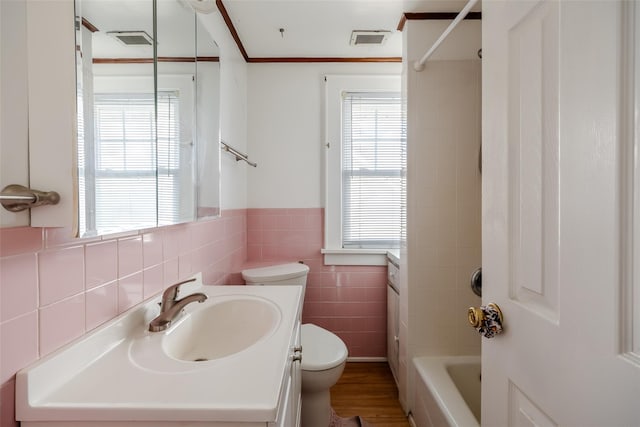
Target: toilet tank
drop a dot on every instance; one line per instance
(281, 274)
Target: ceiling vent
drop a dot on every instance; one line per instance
(132, 38)
(368, 38)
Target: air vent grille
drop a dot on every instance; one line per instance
(132, 38)
(369, 38)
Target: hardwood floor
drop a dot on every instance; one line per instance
(368, 390)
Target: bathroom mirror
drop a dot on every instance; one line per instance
(148, 134)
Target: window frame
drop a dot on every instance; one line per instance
(335, 86)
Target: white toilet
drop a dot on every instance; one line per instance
(324, 354)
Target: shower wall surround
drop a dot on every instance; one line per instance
(444, 196)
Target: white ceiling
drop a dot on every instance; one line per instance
(322, 28)
(312, 28)
(176, 21)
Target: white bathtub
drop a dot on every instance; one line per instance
(447, 391)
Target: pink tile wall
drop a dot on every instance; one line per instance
(347, 300)
(54, 289)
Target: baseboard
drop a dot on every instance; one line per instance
(411, 421)
(366, 359)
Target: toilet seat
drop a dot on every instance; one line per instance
(321, 349)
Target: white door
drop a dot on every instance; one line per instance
(558, 213)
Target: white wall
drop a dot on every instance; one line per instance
(233, 111)
(208, 120)
(443, 196)
(286, 130)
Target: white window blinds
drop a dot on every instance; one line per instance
(373, 138)
(126, 178)
(169, 161)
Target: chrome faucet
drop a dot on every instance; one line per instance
(170, 306)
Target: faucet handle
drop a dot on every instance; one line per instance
(175, 287)
(171, 293)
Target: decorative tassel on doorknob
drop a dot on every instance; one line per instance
(486, 319)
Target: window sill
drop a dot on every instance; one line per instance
(354, 256)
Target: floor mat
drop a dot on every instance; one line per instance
(356, 421)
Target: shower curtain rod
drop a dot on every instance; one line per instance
(419, 65)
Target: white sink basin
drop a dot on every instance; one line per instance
(221, 329)
(121, 373)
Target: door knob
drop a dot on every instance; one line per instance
(476, 281)
(487, 320)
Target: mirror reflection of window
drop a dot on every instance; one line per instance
(170, 157)
(125, 161)
(148, 105)
(176, 146)
(125, 167)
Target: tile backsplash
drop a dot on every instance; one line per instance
(347, 300)
(54, 289)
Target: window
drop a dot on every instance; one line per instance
(365, 158)
(169, 158)
(372, 145)
(124, 175)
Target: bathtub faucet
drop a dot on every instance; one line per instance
(170, 306)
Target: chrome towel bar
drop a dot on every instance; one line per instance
(239, 156)
(17, 198)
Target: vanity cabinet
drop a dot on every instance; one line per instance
(289, 411)
(393, 317)
(122, 375)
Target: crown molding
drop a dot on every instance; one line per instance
(434, 16)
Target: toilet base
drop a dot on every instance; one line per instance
(316, 409)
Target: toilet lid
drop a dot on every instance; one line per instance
(275, 273)
(321, 349)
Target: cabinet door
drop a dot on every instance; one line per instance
(296, 378)
(393, 302)
(38, 88)
(52, 107)
(296, 383)
(289, 412)
(14, 144)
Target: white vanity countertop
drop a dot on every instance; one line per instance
(104, 375)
